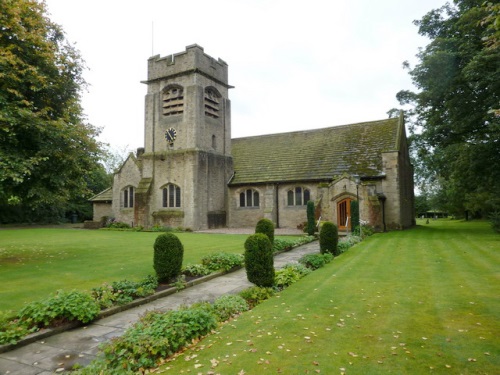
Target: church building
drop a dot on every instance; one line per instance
(192, 174)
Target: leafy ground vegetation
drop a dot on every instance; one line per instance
(35, 263)
(82, 305)
(418, 301)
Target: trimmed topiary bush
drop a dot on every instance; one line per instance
(311, 225)
(328, 238)
(168, 256)
(355, 216)
(266, 227)
(259, 261)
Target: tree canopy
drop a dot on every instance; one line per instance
(49, 156)
(456, 116)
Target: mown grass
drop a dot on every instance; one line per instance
(414, 302)
(35, 263)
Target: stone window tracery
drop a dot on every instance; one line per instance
(172, 100)
(298, 196)
(128, 197)
(249, 198)
(171, 196)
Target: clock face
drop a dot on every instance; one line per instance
(170, 135)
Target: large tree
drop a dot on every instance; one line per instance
(456, 107)
(48, 153)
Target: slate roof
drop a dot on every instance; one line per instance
(103, 196)
(315, 155)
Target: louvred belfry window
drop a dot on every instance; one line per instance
(172, 100)
(212, 103)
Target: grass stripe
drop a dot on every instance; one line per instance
(402, 303)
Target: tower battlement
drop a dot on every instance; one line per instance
(192, 60)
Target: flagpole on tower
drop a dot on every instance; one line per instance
(152, 38)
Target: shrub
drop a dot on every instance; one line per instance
(222, 261)
(130, 290)
(11, 330)
(265, 226)
(347, 242)
(161, 228)
(328, 238)
(363, 230)
(227, 306)
(303, 240)
(63, 307)
(118, 225)
(105, 296)
(313, 261)
(168, 255)
(327, 257)
(255, 295)
(285, 277)
(495, 221)
(289, 274)
(155, 336)
(259, 261)
(179, 283)
(281, 244)
(124, 291)
(342, 247)
(311, 225)
(355, 214)
(195, 270)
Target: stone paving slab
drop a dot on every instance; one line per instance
(80, 345)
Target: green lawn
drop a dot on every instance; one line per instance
(37, 262)
(420, 301)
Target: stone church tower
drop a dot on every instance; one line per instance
(180, 177)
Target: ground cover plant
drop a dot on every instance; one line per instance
(418, 301)
(35, 263)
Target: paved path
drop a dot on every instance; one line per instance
(60, 352)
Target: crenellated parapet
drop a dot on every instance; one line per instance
(192, 60)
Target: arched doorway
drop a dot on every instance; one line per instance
(344, 214)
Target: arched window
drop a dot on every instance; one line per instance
(298, 196)
(171, 196)
(172, 100)
(128, 197)
(249, 198)
(212, 101)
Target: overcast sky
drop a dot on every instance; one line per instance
(295, 65)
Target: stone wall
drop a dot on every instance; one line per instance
(128, 175)
(102, 209)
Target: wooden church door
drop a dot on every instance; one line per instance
(344, 214)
